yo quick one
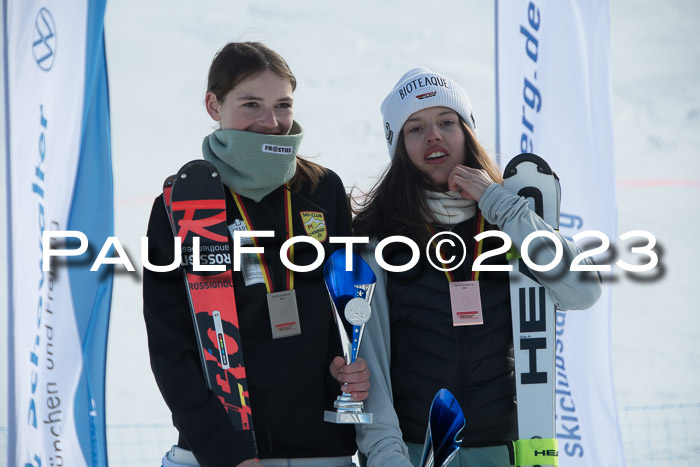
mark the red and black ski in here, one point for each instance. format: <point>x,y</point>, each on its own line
<point>196,205</point>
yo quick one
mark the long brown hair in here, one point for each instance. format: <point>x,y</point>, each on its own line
<point>238,61</point>
<point>397,205</point>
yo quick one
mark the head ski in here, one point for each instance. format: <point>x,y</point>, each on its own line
<point>533,317</point>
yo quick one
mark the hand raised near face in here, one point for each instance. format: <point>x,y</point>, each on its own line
<point>468,182</point>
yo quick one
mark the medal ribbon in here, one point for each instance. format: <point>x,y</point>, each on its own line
<point>289,233</point>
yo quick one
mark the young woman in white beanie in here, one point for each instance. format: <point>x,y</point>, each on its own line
<point>441,179</point>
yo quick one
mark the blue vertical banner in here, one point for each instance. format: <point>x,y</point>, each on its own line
<point>554,99</point>
<point>59,178</point>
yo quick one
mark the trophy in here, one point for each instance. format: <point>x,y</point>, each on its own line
<point>443,436</point>
<point>350,291</point>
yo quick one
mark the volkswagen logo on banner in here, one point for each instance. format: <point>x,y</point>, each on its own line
<point>44,39</point>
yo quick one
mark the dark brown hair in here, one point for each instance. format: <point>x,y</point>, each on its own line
<point>397,205</point>
<point>238,61</point>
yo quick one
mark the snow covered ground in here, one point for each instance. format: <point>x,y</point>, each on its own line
<point>346,57</point>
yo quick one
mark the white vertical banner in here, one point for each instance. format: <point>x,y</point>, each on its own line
<point>554,100</point>
<point>58,178</point>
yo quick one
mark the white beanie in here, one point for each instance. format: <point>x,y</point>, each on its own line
<point>420,89</point>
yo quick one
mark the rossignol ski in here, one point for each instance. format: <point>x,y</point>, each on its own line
<point>533,315</point>
<point>196,204</point>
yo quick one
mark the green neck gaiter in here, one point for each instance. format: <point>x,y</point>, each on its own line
<point>253,164</point>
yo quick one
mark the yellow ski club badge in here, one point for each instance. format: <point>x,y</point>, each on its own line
<point>314,224</point>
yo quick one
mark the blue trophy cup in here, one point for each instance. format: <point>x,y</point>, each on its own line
<point>350,291</point>
<point>445,424</point>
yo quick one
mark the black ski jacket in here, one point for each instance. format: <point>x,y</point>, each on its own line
<point>410,336</point>
<point>288,378</point>
<point>428,353</point>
